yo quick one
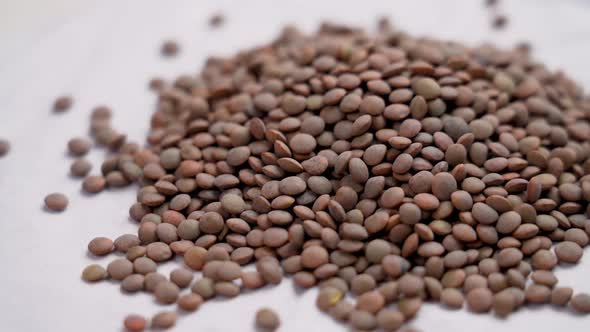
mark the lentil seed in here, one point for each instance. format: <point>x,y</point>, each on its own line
<point>56,202</point>
<point>134,323</point>
<point>267,319</point>
<point>164,320</point>
<point>93,273</point>
<point>581,303</point>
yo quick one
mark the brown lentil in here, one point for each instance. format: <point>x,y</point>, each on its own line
<point>133,283</point>
<point>80,168</point>
<point>62,104</point>
<point>181,277</point>
<point>452,298</point>
<point>166,292</point>
<point>204,287</point>
<point>93,273</point>
<point>560,296</point>
<point>135,323</point>
<point>101,246</point>
<point>94,184</point>
<point>164,320</point>
<point>362,320</point>
<point>120,268</point>
<point>568,252</point>
<point>267,319</point>
<point>480,300</point>
<point>79,146</point>
<point>581,303</point>
<point>169,48</point>
<point>4,147</point>
<point>56,202</point>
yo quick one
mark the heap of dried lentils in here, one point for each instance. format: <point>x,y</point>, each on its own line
<point>395,169</point>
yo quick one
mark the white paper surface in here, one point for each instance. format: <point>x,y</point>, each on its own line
<point>104,52</point>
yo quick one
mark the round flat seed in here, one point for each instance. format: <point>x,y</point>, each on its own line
<point>328,297</point>
<point>363,320</point>
<point>372,302</point>
<point>372,105</point>
<point>561,296</point>
<point>166,292</point>
<point>101,246</point>
<point>314,256</point>
<point>135,323</point>
<point>94,184</point>
<point>4,147</point>
<point>133,283</point>
<point>390,320</point>
<point>427,88</point>
<point>581,303</point>
<point>443,185</point>
<point>480,300</point>
<point>410,214</point>
<point>181,277</point>
<point>152,279</point>
<point>228,271</point>
<point>80,168</point>
<point>227,289</point>
<point>484,214</point>
<point>392,197</point>
<point>452,298</point>
<point>194,257</point>
<point>93,273</point>
<point>267,319</point>
<point>211,223</point>
<point>409,307</point>
<point>56,202</point>
<point>410,285</point>
<point>509,257</point>
<point>164,320</point>
<point>233,204</point>
<point>504,303</point>
<point>376,250</point>
<point>190,302</point>
<point>569,252</point>
<point>144,265</point>
<point>79,146</point>
<point>302,143</point>
<point>204,287</point>
<point>537,294</point>
<point>158,251</point>
<point>362,283</point>
<point>238,155</point>
<point>546,278</point>
<point>120,268</point>
<point>292,186</point>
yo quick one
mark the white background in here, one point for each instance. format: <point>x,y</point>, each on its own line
<point>104,52</point>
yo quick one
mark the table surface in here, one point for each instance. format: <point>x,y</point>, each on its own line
<point>104,52</point>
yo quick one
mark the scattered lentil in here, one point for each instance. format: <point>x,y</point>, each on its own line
<point>267,319</point>
<point>4,147</point>
<point>170,48</point>
<point>581,303</point>
<point>93,273</point>
<point>135,323</point>
<point>56,202</point>
<point>62,104</point>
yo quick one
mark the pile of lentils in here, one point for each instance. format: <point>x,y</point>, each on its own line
<point>384,169</point>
